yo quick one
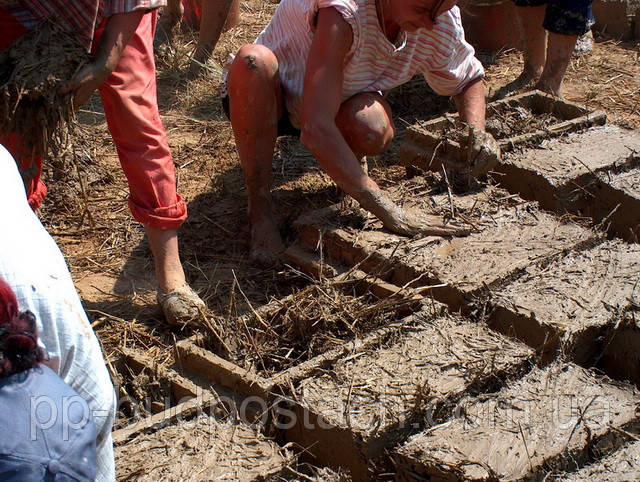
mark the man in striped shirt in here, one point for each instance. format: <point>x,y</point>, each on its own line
<point>119,33</point>
<point>320,65</point>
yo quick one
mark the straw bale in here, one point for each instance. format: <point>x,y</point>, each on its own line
<point>201,449</point>
<point>32,69</point>
<point>549,420</point>
<point>620,466</point>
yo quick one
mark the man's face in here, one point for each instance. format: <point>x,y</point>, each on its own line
<point>414,14</point>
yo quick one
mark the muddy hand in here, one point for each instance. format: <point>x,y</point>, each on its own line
<point>84,82</point>
<point>412,224</point>
<point>483,151</point>
<point>399,221</point>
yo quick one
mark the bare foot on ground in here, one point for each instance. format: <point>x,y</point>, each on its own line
<point>524,80</point>
<point>266,243</point>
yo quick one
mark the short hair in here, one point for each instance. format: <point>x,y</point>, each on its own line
<point>19,348</point>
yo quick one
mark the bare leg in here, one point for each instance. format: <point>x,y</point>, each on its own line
<point>558,56</point>
<point>164,246</point>
<point>534,49</point>
<point>214,15</point>
<point>180,304</point>
<point>255,101</point>
<point>535,41</point>
<point>365,122</point>
<point>170,17</point>
<point>233,17</point>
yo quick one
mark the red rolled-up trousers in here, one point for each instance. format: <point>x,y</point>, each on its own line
<point>129,98</point>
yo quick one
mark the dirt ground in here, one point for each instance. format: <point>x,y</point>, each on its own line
<point>87,212</point>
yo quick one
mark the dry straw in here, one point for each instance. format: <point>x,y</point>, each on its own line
<point>31,71</point>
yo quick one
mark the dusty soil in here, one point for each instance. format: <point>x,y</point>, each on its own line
<point>87,213</point>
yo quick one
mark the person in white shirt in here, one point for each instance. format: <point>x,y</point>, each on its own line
<point>33,266</point>
<point>319,67</point>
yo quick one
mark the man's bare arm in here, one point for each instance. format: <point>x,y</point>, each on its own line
<point>116,35</point>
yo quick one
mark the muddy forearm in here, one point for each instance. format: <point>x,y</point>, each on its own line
<point>380,205</point>
<point>471,103</point>
<point>117,33</point>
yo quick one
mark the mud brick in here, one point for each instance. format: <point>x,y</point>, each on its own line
<point>621,356</point>
<point>575,302</point>
<point>562,174</point>
<point>550,420</point>
<point>622,465</point>
<point>512,234</point>
<point>203,448</point>
<point>618,203</point>
<point>426,144</point>
<point>352,410</point>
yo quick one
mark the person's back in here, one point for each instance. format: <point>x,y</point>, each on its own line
<point>47,427</point>
<point>32,264</point>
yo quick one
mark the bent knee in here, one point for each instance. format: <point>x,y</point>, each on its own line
<point>254,59</point>
<point>367,127</point>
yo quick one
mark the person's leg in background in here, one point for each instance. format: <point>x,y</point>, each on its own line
<point>217,16</point>
<point>130,104</point>
<point>534,48</point>
<point>565,21</point>
<point>171,16</point>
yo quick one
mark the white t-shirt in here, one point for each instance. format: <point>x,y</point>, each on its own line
<point>32,264</point>
<point>373,63</point>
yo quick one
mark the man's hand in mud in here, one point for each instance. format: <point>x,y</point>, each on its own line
<point>414,224</point>
<point>483,151</point>
<point>85,81</point>
<point>407,223</point>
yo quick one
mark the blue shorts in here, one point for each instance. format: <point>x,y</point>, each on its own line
<point>566,17</point>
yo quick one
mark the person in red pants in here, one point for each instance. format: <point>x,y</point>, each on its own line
<point>120,36</point>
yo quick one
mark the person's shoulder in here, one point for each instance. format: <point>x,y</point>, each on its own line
<point>349,7</point>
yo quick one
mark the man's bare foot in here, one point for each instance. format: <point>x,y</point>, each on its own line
<point>182,306</point>
<point>524,80</point>
<point>549,89</point>
<point>179,303</point>
<point>198,64</point>
<point>266,243</point>
<point>399,221</point>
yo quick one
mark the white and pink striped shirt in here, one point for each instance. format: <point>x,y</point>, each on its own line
<point>373,63</point>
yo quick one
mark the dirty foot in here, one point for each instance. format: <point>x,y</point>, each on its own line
<point>549,89</point>
<point>266,244</point>
<point>182,306</point>
<point>524,80</point>
<point>198,64</point>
